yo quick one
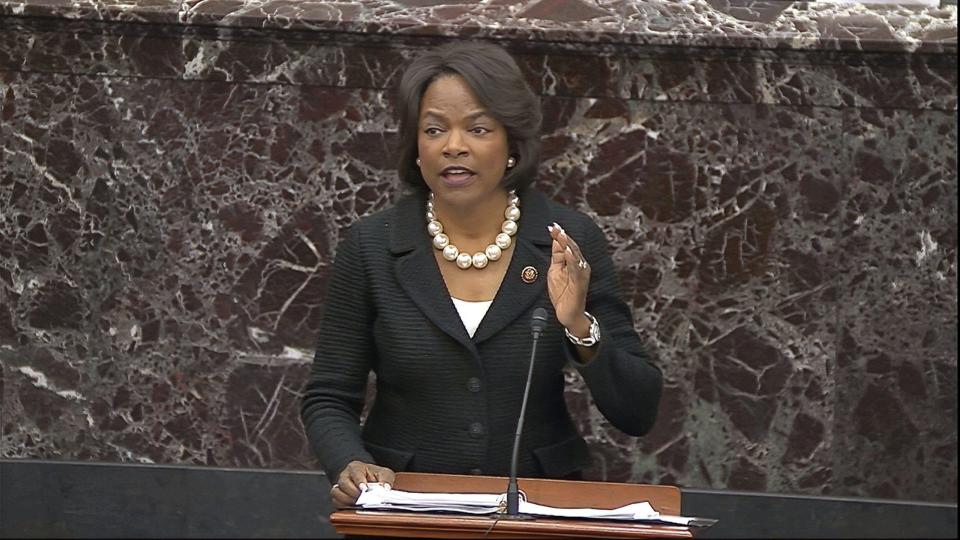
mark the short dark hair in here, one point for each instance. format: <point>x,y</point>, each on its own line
<point>495,78</point>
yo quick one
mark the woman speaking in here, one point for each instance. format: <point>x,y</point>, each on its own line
<point>436,293</point>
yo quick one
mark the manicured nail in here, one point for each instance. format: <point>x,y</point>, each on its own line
<point>388,486</point>
<point>363,487</point>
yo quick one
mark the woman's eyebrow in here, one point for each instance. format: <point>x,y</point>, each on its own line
<point>434,114</point>
<point>477,114</point>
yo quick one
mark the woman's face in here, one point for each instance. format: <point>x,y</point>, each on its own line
<point>463,150</point>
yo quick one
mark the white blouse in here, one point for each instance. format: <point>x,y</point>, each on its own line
<point>471,313</point>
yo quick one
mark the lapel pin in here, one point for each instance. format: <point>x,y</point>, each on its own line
<point>529,274</point>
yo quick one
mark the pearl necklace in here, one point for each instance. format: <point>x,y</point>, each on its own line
<point>479,259</point>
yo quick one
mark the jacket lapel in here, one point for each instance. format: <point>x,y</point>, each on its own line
<point>417,272</point>
<point>532,245</point>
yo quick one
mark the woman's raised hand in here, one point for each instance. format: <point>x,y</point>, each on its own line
<point>567,282</point>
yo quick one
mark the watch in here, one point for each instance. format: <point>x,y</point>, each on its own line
<point>590,340</point>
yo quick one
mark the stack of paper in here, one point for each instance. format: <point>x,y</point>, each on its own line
<point>378,496</point>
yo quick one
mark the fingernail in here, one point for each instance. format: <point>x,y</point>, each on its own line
<point>569,250</point>
<point>550,228</point>
<point>363,486</point>
<point>388,486</point>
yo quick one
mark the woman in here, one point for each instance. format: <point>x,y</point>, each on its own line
<point>435,295</point>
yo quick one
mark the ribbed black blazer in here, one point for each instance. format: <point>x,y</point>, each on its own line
<point>447,403</point>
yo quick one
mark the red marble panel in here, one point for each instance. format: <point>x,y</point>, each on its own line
<point>896,373</point>
<point>783,222</point>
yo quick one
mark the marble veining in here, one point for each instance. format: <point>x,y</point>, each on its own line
<point>781,211</point>
<point>698,23</point>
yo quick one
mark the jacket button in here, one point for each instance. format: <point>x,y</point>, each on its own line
<point>476,430</point>
<point>473,384</point>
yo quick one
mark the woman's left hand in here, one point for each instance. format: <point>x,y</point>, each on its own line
<point>567,282</point>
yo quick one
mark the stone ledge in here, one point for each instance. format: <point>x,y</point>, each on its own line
<point>692,23</point>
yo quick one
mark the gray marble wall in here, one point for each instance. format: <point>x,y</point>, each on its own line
<point>173,185</point>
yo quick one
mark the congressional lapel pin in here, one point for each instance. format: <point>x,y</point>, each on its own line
<point>529,274</point>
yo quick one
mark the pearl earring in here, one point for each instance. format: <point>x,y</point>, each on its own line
<point>511,162</point>
<point>418,162</point>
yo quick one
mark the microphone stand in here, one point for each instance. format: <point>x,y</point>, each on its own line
<point>538,323</point>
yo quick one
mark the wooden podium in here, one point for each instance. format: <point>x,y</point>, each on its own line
<point>560,493</point>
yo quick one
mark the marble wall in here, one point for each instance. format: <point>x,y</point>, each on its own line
<point>172,189</point>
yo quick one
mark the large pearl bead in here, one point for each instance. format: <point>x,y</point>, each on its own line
<point>503,240</point>
<point>512,213</point>
<point>450,252</point>
<point>493,252</point>
<point>479,260</point>
<point>464,261</point>
<point>440,241</point>
<point>509,227</point>
<point>434,228</point>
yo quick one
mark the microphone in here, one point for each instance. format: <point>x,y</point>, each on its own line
<point>537,324</point>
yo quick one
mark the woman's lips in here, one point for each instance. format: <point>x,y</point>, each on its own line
<point>457,179</point>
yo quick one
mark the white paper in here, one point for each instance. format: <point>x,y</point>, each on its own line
<point>380,497</point>
<point>677,520</point>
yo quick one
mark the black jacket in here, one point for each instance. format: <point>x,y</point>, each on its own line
<point>447,403</point>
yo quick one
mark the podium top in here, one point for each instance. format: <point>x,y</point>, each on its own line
<point>559,493</point>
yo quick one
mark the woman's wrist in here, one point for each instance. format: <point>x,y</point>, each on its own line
<point>580,326</point>
<point>592,336</point>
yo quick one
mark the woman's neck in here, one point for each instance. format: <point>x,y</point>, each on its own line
<point>473,226</point>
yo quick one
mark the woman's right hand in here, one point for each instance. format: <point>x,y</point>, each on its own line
<point>345,492</point>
